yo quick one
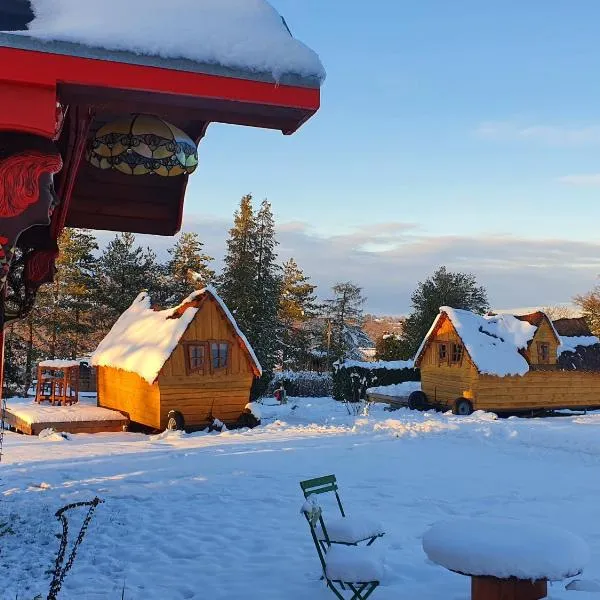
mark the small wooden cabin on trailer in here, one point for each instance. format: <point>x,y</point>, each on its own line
<point>177,368</point>
<point>503,363</point>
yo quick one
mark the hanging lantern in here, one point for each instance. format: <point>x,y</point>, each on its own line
<point>143,145</point>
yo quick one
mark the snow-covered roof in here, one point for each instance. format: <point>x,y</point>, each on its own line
<point>59,363</point>
<point>143,339</point>
<point>249,35</point>
<point>570,343</point>
<point>492,341</point>
<point>376,364</point>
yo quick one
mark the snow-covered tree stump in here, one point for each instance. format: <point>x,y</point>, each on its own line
<point>505,558</point>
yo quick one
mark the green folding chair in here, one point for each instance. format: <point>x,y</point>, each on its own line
<point>348,531</point>
<point>346,569</point>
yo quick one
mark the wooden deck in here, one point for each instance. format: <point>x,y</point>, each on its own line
<point>25,416</point>
<point>393,401</point>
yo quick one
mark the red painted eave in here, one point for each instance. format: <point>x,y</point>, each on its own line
<point>284,107</point>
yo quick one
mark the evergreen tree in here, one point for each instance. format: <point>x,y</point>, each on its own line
<point>74,289</point>
<point>297,306</point>
<point>443,288</point>
<point>250,283</point>
<point>343,318</point>
<point>266,330</point>
<point>236,282</point>
<point>187,257</point>
<point>390,346</point>
<point>124,270</point>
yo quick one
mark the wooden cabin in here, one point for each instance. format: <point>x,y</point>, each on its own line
<point>503,363</point>
<point>178,368</point>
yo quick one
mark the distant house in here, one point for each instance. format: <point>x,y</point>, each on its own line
<point>504,362</point>
<point>175,368</point>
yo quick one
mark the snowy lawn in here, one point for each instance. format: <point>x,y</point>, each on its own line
<point>216,516</point>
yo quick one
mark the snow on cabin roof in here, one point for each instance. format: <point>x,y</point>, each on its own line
<point>492,341</point>
<point>59,363</point>
<point>571,343</point>
<point>143,339</point>
<point>249,35</point>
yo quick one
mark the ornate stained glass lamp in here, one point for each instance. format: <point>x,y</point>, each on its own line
<point>143,145</point>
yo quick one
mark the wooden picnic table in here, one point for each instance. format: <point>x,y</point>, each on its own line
<point>507,559</point>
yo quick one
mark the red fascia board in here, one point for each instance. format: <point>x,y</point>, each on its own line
<point>47,70</point>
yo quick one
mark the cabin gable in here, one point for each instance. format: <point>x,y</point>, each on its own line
<point>208,325</point>
<point>447,371</point>
<point>444,347</point>
<point>201,396</point>
<point>542,350</point>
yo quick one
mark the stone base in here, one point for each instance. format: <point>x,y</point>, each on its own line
<point>492,588</point>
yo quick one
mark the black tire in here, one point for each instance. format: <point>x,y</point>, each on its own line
<point>247,419</point>
<point>417,401</point>
<point>462,407</point>
<point>175,421</point>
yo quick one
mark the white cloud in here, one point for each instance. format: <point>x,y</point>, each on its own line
<point>589,179</point>
<point>388,260</point>
<point>553,135</point>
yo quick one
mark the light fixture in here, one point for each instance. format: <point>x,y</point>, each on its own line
<point>143,145</point>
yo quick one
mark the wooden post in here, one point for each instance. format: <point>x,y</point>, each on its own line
<point>39,386</point>
<point>492,588</point>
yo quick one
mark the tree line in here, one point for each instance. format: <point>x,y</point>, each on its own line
<point>275,304</point>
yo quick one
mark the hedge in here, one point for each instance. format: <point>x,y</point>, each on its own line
<point>302,384</point>
<point>352,378</point>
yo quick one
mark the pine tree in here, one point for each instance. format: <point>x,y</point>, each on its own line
<point>343,317</point>
<point>124,270</point>
<point>296,307</point>
<point>187,257</point>
<point>267,328</point>
<point>74,285</point>
<point>236,283</point>
<point>250,283</point>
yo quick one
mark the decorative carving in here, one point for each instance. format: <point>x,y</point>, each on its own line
<point>27,198</point>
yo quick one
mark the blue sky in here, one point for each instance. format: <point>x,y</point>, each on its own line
<point>462,133</point>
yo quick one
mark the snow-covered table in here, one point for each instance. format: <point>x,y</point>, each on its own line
<point>506,559</point>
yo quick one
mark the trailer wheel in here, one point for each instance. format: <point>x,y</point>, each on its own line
<point>417,401</point>
<point>175,421</point>
<point>462,407</point>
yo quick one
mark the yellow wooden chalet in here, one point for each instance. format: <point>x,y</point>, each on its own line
<point>183,367</point>
<point>501,363</point>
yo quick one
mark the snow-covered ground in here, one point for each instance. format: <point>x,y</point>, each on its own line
<point>216,516</point>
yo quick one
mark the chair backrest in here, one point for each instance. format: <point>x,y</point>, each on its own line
<point>322,485</point>
<point>313,515</point>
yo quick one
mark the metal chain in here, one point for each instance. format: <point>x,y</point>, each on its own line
<point>60,571</point>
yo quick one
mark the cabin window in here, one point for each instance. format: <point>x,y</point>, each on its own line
<point>442,353</point>
<point>219,352</point>
<point>457,353</point>
<point>196,357</point>
<point>543,352</point>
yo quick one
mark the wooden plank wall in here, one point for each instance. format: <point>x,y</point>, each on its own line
<point>129,393</point>
<point>445,383</point>
<point>539,389</point>
<point>198,397</point>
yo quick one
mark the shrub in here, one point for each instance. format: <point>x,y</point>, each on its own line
<point>352,378</point>
<point>303,384</point>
